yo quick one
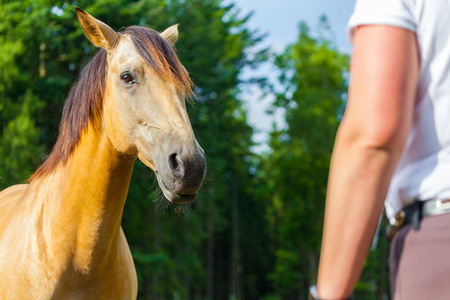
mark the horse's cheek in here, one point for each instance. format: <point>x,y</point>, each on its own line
<point>119,133</point>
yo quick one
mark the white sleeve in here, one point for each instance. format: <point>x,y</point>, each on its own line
<point>398,13</point>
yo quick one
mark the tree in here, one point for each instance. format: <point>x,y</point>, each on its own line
<point>313,75</point>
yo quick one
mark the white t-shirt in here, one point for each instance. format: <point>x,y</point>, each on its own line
<point>423,171</point>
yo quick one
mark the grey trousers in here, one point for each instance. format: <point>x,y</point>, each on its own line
<point>420,260</point>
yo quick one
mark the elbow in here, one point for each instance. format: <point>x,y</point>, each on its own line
<point>390,140</point>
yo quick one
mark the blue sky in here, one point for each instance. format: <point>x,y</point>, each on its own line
<point>280,20</point>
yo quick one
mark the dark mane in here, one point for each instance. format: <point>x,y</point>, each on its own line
<point>85,100</point>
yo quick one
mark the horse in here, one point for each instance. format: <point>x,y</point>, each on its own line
<point>61,234</point>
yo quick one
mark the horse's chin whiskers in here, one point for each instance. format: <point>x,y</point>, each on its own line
<point>163,206</point>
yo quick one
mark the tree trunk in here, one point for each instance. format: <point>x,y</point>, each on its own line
<point>234,272</point>
<point>210,255</point>
<point>156,247</point>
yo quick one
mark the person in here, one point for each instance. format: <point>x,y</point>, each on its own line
<point>393,148</point>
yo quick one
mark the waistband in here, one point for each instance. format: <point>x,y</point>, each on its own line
<point>413,213</point>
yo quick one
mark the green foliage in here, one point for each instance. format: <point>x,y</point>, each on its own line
<point>296,169</point>
<point>19,144</point>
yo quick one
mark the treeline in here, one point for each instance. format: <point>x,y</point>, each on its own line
<point>254,232</point>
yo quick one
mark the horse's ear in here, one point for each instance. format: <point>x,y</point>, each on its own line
<point>100,34</point>
<point>171,33</point>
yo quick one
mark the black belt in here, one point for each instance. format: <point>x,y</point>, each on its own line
<point>415,212</point>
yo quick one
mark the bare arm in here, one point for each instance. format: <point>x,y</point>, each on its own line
<point>371,137</point>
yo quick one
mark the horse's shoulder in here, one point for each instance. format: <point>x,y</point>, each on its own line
<point>12,192</point>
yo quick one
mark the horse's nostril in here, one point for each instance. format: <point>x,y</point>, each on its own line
<point>175,165</point>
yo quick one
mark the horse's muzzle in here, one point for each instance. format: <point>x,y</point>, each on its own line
<point>181,176</point>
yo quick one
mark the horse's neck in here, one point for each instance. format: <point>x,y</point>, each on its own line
<point>89,195</point>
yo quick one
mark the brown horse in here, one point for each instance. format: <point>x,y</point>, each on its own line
<point>60,235</point>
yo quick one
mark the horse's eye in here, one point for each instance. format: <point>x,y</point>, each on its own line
<point>127,77</point>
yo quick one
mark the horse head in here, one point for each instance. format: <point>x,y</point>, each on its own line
<point>144,104</point>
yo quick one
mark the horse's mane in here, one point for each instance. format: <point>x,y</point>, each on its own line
<point>85,101</point>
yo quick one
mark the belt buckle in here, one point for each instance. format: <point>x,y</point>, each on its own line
<point>399,219</point>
